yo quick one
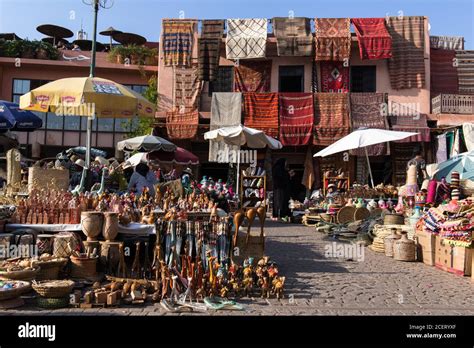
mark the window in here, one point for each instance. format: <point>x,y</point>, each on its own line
<point>72,122</point>
<point>21,87</point>
<point>84,124</point>
<point>140,89</point>
<point>106,124</point>
<point>363,79</point>
<point>291,78</point>
<point>122,125</point>
<point>224,81</point>
<point>54,122</point>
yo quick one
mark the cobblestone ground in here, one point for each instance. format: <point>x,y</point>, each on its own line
<point>317,285</point>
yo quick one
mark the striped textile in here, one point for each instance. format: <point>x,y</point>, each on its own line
<point>314,77</point>
<point>261,112</point>
<point>253,76</point>
<point>444,75</point>
<point>178,37</point>
<point>465,62</point>
<point>226,110</point>
<point>296,118</point>
<point>246,38</point>
<point>374,40</point>
<point>333,38</point>
<point>411,124</point>
<point>366,112</point>
<point>187,88</point>
<point>331,117</point>
<point>334,77</point>
<point>182,125</point>
<point>212,28</point>
<point>293,36</point>
<point>447,42</point>
<point>407,65</point>
<point>209,48</point>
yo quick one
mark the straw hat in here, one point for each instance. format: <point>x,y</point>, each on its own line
<point>80,163</point>
<point>101,160</point>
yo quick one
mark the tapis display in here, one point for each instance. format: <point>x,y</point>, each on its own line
<point>296,118</point>
<point>374,40</point>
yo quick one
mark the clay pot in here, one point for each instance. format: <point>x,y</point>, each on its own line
<point>111,223</point>
<point>92,223</point>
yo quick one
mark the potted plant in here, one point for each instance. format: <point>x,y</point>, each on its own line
<point>28,49</point>
<point>45,50</point>
<point>135,54</point>
<point>151,56</point>
<point>2,48</point>
<point>117,54</point>
<point>12,48</point>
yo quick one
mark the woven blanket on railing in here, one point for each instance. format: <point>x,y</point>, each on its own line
<point>374,40</point>
<point>296,118</point>
<point>333,38</point>
<point>447,42</point>
<point>331,117</point>
<point>261,112</point>
<point>465,62</point>
<point>182,125</point>
<point>226,110</point>
<point>407,65</point>
<point>444,75</point>
<point>246,38</point>
<point>209,48</point>
<point>334,77</point>
<point>253,76</point>
<point>412,123</point>
<point>178,37</point>
<point>187,88</point>
<point>293,36</point>
<point>366,112</point>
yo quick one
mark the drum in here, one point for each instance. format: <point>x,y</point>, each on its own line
<point>91,224</point>
<point>44,243</point>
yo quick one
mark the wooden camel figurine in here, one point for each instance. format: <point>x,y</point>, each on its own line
<point>250,214</point>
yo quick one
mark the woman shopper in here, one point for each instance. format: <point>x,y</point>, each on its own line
<point>281,192</point>
<point>142,177</point>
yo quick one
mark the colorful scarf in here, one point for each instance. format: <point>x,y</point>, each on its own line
<point>447,42</point>
<point>261,112</point>
<point>187,88</point>
<point>333,38</point>
<point>444,75</point>
<point>374,40</point>
<point>182,125</point>
<point>178,37</point>
<point>253,76</point>
<point>293,36</point>
<point>407,65</point>
<point>331,117</point>
<point>412,123</point>
<point>209,48</point>
<point>334,77</point>
<point>226,110</point>
<point>246,38</point>
<point>366,112</point>
<point>296,118</point>
<point>465,60</point>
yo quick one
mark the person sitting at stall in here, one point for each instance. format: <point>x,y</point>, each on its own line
<point>332,191</point>
<point>142,177</point>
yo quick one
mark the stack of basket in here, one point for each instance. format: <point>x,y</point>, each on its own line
<point>53,294</point>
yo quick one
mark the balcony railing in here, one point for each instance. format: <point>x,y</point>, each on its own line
<point>453,104</point>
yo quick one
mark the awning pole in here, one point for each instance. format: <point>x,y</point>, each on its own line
<point>368,165</point>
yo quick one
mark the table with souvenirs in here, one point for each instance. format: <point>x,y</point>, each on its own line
<point>94,249</point>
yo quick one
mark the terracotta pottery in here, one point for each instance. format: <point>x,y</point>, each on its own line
<point>91,224</point>
<point>111,223</point>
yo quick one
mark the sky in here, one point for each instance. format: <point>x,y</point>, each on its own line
<point>447,17</point>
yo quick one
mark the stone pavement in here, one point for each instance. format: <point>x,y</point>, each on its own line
<point>316,285</point>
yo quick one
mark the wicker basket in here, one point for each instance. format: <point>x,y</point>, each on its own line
<point>325,217</point>
<point>15,292</point>
<point>346,214</point>
<point>393,219</point>
<point>404,249</point>
<point>28,274</point>
<point>45,177</point>
<point>54,289</point>
<point>389,241</point>
<point>83,268</point>
<point>52,303</point>
<point>377,212</point>
<point>50,269</point>
<point>361,214</point>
